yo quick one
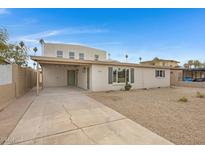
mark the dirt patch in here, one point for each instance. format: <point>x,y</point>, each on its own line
<point>160,111</point>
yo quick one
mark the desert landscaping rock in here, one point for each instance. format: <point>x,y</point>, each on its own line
<point>159,111</point>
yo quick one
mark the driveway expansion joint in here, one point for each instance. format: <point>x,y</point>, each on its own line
<point>70,117</point>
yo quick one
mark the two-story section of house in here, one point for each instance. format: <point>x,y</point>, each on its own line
<point>88,68</point>
<point>72,51</point>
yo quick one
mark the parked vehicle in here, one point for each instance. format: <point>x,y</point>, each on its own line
<point>199,80</point>
<point>188,79</point>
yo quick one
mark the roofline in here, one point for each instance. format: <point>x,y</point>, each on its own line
<point>160,60</point>
<point>67,61</point>
<point>100,50</point>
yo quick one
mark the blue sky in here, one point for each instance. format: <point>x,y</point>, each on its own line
<point>165,33</point>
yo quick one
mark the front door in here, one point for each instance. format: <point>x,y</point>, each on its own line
<point>71,78</point>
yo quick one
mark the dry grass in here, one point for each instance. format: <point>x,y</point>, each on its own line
<point>160,111</point>
<point>199,95</point>
<point>183,99</point>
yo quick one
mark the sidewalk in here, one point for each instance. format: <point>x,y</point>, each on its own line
<point>10,115</point>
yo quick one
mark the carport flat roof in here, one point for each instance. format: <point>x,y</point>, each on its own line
<point>67,61</point>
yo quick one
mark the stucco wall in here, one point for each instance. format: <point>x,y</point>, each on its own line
<point>143,78</point>
<point>176,76</point>
<point>5,74</point>
<point>56,75</point>
<point>22,80</point>
<point>50,50</point>
<point>7,92</point>
<point>82,77</point>
<point>191,84</point>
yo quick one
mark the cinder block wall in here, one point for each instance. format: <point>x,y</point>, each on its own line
<point>23,79</point>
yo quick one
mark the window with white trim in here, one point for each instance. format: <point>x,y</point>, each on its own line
<point>81,56</point>
<point>60,54</point>
<point>72,55</point>
<point>160,73</point>
<point>118,75</point>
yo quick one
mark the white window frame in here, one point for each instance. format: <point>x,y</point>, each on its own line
<point>71,57</point>
<point>59,55</point>
<point>160,73</point>
<point>81,57</point>
<point>116,69</point>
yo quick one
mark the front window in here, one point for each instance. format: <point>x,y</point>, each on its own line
<point>121,75</point>
<point>160,73</point>
<point>71,55</point>
<point>114,79</point>
<point>96,57</point>
<point>60,54</point>
<point>81,56</point>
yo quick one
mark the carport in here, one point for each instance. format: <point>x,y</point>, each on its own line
<point>62,72</point>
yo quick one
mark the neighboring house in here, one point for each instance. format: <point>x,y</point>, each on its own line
<point>194,73</point>
<point>88,68</point>
<point>161,62</point>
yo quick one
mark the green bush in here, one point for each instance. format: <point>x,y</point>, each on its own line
<point>183,99</point>
<point>199,95</point>
<point>128,87</point>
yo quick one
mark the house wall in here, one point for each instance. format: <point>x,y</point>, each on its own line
<point>50,50</point>
<point>82,77</point>
<point>162,63</point>
<point>176,76</point>
<point>56,75</point>
<point>143,78</point>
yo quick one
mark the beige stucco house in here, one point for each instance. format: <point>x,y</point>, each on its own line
<point>88,68</point>
<point>161,62</point>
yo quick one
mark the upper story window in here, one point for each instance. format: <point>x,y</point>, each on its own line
<point>81,56</point>
<point>160,73</point>
<point>97,57</point>
<point>72,55</point>
<point>60,54</point>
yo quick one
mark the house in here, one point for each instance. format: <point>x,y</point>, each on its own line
<point>89,68</point>
<point>193,73</point>
<point>161,62</point>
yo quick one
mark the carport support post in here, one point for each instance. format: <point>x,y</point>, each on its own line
<point>37,82</point>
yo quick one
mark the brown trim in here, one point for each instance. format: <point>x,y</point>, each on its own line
<point>66,61</point>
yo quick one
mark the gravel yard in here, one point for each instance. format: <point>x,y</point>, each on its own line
<point>160,111</point>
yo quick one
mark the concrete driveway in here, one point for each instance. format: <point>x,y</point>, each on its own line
<point>67,116</point>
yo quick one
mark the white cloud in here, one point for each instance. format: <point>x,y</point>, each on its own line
<point>66,31</point>
<point>4,11</point>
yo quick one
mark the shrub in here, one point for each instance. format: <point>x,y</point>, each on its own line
<point>183,99</point>
<point>199,95</point>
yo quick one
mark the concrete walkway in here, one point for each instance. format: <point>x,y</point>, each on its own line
<point>67,116</point>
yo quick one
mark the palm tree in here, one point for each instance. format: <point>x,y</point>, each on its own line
<point>21,44</point>
<point>41,41</point>
<point>190,63</point>
<point>140,58</point>
<point>109,56</point>
<point>35,49</point>
<point>34,64</point>
<point>196,63</point>
<point>186,65</point>
<point>126,56</point>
